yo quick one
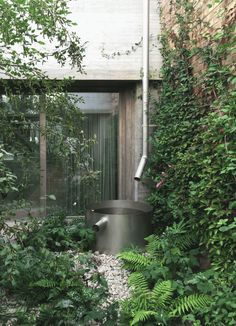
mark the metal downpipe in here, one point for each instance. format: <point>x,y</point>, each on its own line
<point>145,84</point>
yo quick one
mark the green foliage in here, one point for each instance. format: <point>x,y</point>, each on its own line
<point>222,288</point>
<point>142,316</point>
<point>162,293</point>
<point>168,255</point>
<point>194,144</point>
<point>26,26</point>
<point>47,286</point>
<point>193,160</point>
<point>7,178</point>
<point>134,261</point>
<point>138,281</point>
<point>165,284</point>
<point>55,233</point>
<point>157,304</point>
<point>190,303</point>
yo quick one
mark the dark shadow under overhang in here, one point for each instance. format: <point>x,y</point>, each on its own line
<point>37,86</point>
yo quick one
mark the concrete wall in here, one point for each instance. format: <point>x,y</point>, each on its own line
<point>113,32</point>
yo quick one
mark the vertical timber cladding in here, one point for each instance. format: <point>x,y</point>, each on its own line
<point>126,144</point>
<point>130,142</point>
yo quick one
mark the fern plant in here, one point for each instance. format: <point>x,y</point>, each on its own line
<point>166,255</point>
<point>135,261</point>
<point>160,291</point>
<point>157,305</point>
<point>47,282</point>
<point>189,303</point>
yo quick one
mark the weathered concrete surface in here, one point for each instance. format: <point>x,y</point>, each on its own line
<point>110,27</point>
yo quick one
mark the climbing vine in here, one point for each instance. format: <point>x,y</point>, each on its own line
<point>193,163</point>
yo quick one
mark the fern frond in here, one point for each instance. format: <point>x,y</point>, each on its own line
<point>125,306</point>
<point>142,316</point>
<point>44,283</point>
<point>140,290</point>
<point>177,228</point>
<point>72,283</point>
<point>154,244</point>
<point>183,241</point>
<point>179,236</point>
<point>134,261</point>
<point>138,282</point>
<point>190,303</point>
<point>161,294</point>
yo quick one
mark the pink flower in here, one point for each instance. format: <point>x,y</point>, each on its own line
<point>160,184</point>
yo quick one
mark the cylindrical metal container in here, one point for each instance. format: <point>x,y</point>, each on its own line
<point>119,224</point>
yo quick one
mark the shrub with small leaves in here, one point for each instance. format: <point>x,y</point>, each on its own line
<point>193,160</point>
<point>46,284</point>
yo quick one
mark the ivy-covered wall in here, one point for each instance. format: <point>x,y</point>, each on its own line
<point>208,18</point>
<point>193,161</point>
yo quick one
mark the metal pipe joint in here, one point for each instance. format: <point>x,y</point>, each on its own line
<point>101,224</point>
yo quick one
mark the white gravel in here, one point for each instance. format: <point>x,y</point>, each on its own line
<point>111,268</point>
<point>116,277</point>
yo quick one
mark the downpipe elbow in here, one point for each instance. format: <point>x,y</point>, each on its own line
<point>140,168</point>
<point>101,224</point>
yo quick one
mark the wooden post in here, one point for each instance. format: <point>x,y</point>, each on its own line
<point>43,164</point>
<point>126,145</point>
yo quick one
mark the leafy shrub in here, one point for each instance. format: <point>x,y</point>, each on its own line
<point>56,233</point>
<point>47,286</point>
<point>193,156</point>
<point>193,148</point>
<point>223,293</point>
<point>7,178</point>
<point>168,255</point>
<point>157,304</point>
<point>162,288</point>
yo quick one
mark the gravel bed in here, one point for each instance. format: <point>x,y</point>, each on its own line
<point>106,265</point>
<point>117,278</point>
<point>111,268</point>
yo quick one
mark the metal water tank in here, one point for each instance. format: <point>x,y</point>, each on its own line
<point>119,224</point>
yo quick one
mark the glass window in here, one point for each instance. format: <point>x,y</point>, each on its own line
<point>100,123</point>
<point>66,185</point>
